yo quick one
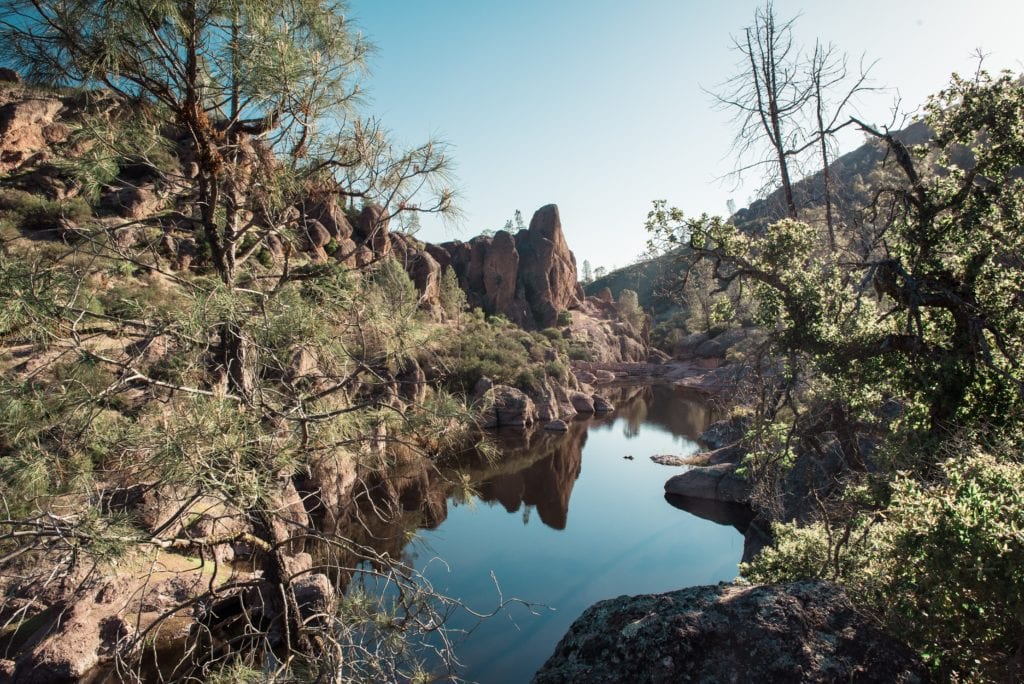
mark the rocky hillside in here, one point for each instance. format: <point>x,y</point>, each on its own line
<point>655,280</point>
<point>529,278</point>
<point>337,363</point>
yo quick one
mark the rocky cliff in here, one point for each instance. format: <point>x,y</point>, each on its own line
<point>529,278</point>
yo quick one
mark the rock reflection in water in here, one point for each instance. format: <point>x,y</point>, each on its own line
<point>534,472</point>
<point>721,512</point>
<point>546,482</point>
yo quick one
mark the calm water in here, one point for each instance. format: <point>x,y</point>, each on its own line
<point>566,521</point>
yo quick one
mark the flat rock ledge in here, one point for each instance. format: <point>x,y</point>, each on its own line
<point>799,632</point>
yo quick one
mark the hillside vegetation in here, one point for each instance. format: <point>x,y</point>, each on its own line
<point>884,418</point>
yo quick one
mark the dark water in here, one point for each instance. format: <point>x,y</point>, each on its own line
<point>566,521</point>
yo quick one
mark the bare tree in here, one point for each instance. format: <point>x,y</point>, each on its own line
<point>767,95</point>
<point>787,105</point>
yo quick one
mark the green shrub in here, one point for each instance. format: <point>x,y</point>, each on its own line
<point>564,317</point>
<point>943,567</point>
<point>629,308</point>
<point>452,297</point>
<point>557,370</point>
<point>32,213</point>
<point>579,351</point>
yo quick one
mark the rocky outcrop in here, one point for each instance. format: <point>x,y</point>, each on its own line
<point>372,229</point>
<point>800,632</point>
<point>529,278</point>
<point>507,407</point>
<point>719,482</point>
<point>547,268</point>
<point>608,337</point>
<point>27,128</point>
<point>422,268</point>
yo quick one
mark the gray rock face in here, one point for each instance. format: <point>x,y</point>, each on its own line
<point>719,482</point>
<point>800,632</point>
<point>724,433</point>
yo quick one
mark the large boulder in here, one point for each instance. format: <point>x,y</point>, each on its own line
<point>79,637</point>
<point>27,128</point>
<point>507,407</point>
<point>372,230</point>
<point>719,345</point>
<point>800,632</point>
<point>329,214</point>
<point>130,202</point>
<point>718,482</point>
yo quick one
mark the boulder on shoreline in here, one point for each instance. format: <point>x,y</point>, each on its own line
<point>719,482</point>
<point>799,632</point>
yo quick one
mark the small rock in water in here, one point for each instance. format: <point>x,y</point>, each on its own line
<point>628,458</point>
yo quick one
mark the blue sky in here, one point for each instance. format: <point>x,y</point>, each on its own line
<point>598,105</point>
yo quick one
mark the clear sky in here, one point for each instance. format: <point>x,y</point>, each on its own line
<point>597,105</point>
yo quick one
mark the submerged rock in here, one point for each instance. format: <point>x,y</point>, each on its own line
<point>799,632</point>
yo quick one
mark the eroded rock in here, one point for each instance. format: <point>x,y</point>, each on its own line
<point>507,407</point>
<point>799,632</point>
<point>24,130</point>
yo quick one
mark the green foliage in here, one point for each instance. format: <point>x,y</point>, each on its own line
<point>452,297</point>
<point>557,370</point>
<point>33,213</point>
<point>942,566</point>
<point>502,352</point>
<point>396,289</point>
<point>564,317</point>
<point>629,309</point>
<point>919,307</point>
<point>33,292</point>
<point>579,351</point>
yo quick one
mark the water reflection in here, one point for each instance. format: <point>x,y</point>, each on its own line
<point>562,520</point>
<point>535,471</point>
<point>721,512</point>
<point>545,484</point>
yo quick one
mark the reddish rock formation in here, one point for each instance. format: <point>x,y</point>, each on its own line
<point>331,216</point>
<point>27,129</point>
<point>421,267</point>
<point>372,229</point>
<point>528,278</point>
<point>547,267</point>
